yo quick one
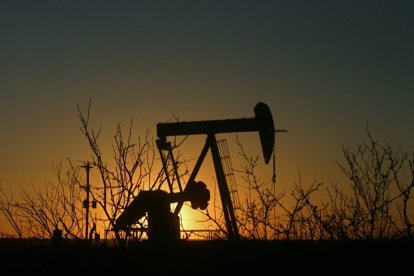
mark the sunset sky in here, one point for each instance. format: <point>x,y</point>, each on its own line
<point>326,69</point>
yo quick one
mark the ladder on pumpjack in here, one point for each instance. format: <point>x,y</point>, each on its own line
<point>228,172</point>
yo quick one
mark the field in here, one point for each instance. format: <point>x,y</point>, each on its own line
<point>210,258</point>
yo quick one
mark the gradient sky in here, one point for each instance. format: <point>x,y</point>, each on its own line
<point>327,69</point>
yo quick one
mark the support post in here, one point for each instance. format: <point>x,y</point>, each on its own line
<point>87,167</point>
<point>232,229</point>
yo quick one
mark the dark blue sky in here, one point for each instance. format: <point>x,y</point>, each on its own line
<point>327,69</point>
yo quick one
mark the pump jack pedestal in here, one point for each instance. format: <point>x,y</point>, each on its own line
<point>163,225</point>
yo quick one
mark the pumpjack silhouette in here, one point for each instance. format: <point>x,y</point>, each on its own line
<point>163,224</point>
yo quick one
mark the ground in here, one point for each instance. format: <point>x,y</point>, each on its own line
<point>211,258</point>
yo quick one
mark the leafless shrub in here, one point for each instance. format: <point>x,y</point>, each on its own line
<point>376,205</point>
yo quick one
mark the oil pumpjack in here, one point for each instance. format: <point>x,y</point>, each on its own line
<point>163,224</point>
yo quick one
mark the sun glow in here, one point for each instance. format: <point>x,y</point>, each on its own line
<point>189,218</point>
<point>194,224</point>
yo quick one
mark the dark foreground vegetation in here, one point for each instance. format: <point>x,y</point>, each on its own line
<point>364,257</point>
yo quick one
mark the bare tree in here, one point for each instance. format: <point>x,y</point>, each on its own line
<point>10,212</point>
<point>379,196</point>
<point>376,203</point>
<point>60,204</point>
<point>376,206</point>
<point>255,214</point>
<point>42,210</point>
<point>133,163</point>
